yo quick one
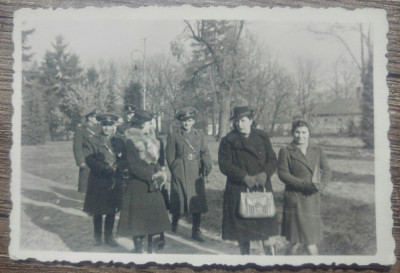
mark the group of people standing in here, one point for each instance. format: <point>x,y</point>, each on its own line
<point>126,166</point>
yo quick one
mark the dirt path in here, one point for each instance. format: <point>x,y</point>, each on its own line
<point>52,219</point>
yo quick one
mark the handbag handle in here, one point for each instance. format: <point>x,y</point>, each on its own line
<point>262,187</point>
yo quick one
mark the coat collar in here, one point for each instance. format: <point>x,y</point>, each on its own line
<point>296,153</point>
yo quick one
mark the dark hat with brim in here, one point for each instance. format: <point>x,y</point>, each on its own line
<point>242,111</point>
<point>142,116</point>
<point>89,112</point>
<point>129,108</point>
<point>107,119</point>
<point>186,113</point>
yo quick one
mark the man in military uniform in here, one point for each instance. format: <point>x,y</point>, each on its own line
<point>129,110</point>
<point>83,133</point>
<point>104,192</point>
<point>189,161</point>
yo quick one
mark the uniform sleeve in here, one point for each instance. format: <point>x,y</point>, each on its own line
<point>137,167</point>
<point>284,172</point>
<point>234,173</point>
<point>161,159</point>
<point>170,150</point>
<point>326,173</point>
<point>271,160</point>
<point>205,154</point>
<point>96,161</point>
<point>77,146</point>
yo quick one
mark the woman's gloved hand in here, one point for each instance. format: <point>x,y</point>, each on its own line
<point>261,179</point>
<point>250,181</point>
<point>307,187</point>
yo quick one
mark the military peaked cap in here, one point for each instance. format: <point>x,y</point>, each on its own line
<point>186,113</point>
<point>90,111</point>
<point>107,119</point>
<point>129,108</point>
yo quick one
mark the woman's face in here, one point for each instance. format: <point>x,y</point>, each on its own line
<point>301,135</point>
<point>187,124</point>
<point>146,127</point>
<point>243,125</point>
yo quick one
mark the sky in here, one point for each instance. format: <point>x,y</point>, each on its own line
<point>120,37</point>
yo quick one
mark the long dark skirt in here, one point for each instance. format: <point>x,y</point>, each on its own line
<point>143,212</point>
<point>237,228</point>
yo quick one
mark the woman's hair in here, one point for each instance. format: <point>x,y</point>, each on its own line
<point>300,123</point>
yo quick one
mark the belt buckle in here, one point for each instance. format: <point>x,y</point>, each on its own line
<point>190,156</point>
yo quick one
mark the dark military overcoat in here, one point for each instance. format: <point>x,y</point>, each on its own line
<point>237,157</point>
<point>301,221</point>
<point>104,191</point>
<point>187,156</point>
<point>80,145</point>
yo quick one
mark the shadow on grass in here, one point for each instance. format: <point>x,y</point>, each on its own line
<point>353,177</point>
<point>349,225</point>
<point>62,200</point>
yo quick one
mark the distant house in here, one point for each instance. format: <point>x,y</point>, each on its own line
<point>339,116</point>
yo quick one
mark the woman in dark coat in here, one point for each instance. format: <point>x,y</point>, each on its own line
<point>189,160</point>
<point>246,157</point>
<point>143,209</point>
<point>302,166</point>
<point>103,193</point>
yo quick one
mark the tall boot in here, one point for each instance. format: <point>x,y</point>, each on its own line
<point>175,219</point>
<point>244,248</point>
<point>138,243</point>
<point>97,225</point>
<point>150,244</point>
<point>196,228</point>
<point>108,228</point>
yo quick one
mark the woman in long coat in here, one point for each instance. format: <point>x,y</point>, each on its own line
<point>246,157</point>
<point>103,193</point>
<point>143,209</point>
<point>302,166</point>
<point>189,161</point>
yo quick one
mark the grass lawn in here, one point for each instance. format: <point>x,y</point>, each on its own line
<point>348,206</point>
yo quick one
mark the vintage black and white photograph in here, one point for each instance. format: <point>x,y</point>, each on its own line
<point>201,136</point>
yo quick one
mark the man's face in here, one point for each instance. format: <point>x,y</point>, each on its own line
<point>92,119</point>
<point>130,115</point>
<point>243,125</point>
<point>187,124</point>
<point>108,129</point>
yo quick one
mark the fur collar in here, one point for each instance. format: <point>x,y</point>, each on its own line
<point>146,143</point>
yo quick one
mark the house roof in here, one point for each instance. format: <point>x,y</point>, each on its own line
<point>339,106</point>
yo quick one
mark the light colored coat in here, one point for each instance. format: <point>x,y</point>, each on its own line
<point>301,221</point>
<point>186,162</point>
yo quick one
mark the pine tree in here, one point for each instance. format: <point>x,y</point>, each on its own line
<point>60,70</point>
<point>33,127</point>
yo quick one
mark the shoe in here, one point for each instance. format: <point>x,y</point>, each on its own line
<point>269,250</point>
<point>138,243</point>
<point>159,244</point>
<point>197,237</point>
<point>109,239</point>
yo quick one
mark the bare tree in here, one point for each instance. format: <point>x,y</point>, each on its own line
<point>305,85</point>
<point>365,67</point>
<point>216,44</point>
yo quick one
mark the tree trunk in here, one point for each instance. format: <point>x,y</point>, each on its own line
<point>224,114</point>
